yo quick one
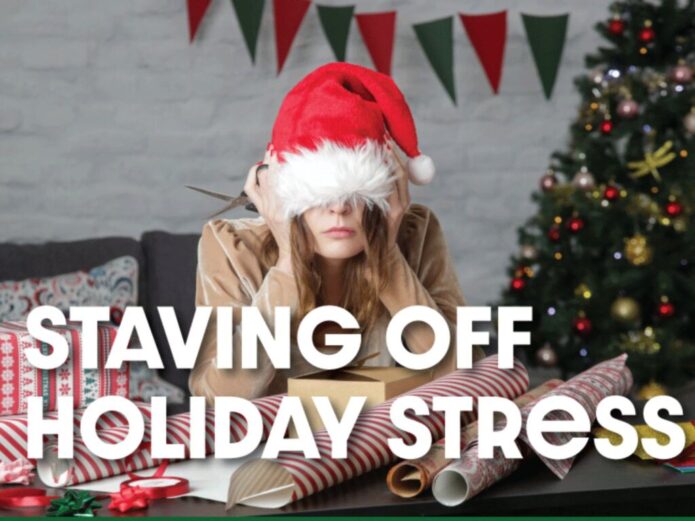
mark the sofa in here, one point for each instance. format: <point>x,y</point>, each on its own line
<point>167,264</point>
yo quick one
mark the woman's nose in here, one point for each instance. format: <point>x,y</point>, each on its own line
<point>340,207</point>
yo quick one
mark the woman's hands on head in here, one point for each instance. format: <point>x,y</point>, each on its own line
<point>399,199</point>
<point>259,190</point>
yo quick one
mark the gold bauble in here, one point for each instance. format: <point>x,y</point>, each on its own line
<point>642,342</point>
<point>650,390</point>
<point>583,291</point>
<point>637,250</point>
<point>625,309</point>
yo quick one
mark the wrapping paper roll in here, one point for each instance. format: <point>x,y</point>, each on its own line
<point>470,475</point>
<point>85,466</point>
<point>14,434</point>
<point>20,380</point>
<point>410,478</point>
<point>611,377</point>
<point>275,483</point>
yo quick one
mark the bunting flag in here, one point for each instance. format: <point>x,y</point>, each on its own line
<point>488,35</point>
<point>196,13</point>
<point>288,16</point>
<point>378,31</point>
<point>546,36</point>
<point>249,14</point>
<point>336,26</point>
<point>437,40</point>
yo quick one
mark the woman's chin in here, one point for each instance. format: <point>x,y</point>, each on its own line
<point>340,249</point>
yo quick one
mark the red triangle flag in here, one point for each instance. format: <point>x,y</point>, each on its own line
<point>288,16</point>
<point>378,30</point>
<point>488,34</point>
<point>196,13</point>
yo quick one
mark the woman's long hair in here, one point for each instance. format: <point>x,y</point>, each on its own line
<point>361,293</point>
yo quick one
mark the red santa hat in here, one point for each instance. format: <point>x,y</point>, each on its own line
<point>331,138</point>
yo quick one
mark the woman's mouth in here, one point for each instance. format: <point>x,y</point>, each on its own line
<point>340,232</point>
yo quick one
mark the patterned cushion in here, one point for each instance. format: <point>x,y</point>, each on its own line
<point>113,284</point>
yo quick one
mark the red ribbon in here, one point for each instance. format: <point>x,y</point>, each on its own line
<point>25,497</point>
<point>180,485</point>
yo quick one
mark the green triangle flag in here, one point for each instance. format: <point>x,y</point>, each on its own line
<point>249,14</point>
<point>546,36</point>
<point>336,25</point>
<point>437,40</point>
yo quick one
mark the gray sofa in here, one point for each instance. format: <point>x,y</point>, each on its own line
<point>166,278</point>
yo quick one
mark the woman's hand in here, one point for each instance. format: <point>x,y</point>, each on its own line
<point>259,190</point>
<point>399,199</point>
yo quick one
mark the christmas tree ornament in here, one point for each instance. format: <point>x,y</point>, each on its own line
<point>584,180</point>
<point>616,26</point>
<point>596,75</point>
<point>666,309</point>
<point>529,252</point>
<point>689,121</point>
<point>627,109</point>
<point>680,224</point>
<point>575,224</point>
<point>548,181</point>
<point>611,193</point>
<point>681,74</point>
<point>554,233</point>
<point>674,208</point>
<point>638,251</point>
<point>647,33</point>
<point>583,291</point>
<point>652,161</point>
<point>625,310</point>
<point>650,390</point>
<point>606,126</point>
<point>517,284</point>
<point>581,325</point>
<point>546,356</point>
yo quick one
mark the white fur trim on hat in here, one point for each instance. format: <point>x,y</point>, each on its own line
<point>335,173</point>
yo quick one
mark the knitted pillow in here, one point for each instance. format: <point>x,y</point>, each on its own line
<point>114,284</point>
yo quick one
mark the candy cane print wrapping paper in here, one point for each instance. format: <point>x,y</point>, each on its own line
<point>274,483</point>
<point>85,466</point>
<point>14,429</point>
<point>468,476</point>
<point>588,388</point>
<point>410,478</point>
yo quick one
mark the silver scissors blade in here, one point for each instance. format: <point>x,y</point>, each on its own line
<point>217,195</point>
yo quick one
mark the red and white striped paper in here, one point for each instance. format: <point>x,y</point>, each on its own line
<point>14,429</point>
<point>85,466</point>
<point>20,380</point>
<point>611,377</point>
<point>275,483</point>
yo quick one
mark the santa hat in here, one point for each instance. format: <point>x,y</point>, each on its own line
<point>331,139</point>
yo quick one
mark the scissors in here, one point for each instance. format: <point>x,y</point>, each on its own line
<point>232,201</point>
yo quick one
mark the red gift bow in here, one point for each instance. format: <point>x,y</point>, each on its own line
<point>129,498</point>
<point>25,497</point>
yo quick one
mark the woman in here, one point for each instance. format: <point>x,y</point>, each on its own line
<point>336,227</point>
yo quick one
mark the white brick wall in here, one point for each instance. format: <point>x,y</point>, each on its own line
<point>106,112</point>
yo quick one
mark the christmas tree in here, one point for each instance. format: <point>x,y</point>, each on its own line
<point>608,260</point>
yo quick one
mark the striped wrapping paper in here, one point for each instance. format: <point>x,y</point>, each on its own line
<point>275,483</point>
<point>84,466</point>
<point>19,379</point>
<point>611,377</point>
<point>14,435</point>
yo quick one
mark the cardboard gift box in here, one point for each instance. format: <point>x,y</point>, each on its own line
<point>378,384</point>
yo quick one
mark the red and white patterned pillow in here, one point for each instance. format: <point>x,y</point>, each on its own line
<point>113,284</point>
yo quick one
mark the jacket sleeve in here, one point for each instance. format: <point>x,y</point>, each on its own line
<point>435,285</point>
<point>218,284</point>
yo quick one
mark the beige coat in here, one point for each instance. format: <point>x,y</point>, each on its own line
<point>230,273</point>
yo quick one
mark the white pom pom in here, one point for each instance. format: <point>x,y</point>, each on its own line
<point>421,169</point>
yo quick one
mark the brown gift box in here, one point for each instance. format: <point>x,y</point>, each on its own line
<point>378,384</point>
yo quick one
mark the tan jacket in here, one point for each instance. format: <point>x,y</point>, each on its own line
<point>230,273</point>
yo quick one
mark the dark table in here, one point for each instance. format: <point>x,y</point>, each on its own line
<point>594,485</point>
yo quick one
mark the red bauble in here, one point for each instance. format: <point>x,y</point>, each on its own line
<point>611,193</point>
<point>666,309</point>
<point>647,34</point>
<point>518,284</point>
<point>554,234</point>
<point>606,126</point>
<point>581,325</point>
<point>674,208</point>
<point>616,27</point>
<point>575,224</point>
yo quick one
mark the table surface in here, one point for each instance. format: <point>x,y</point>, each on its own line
<point>594,485</point>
